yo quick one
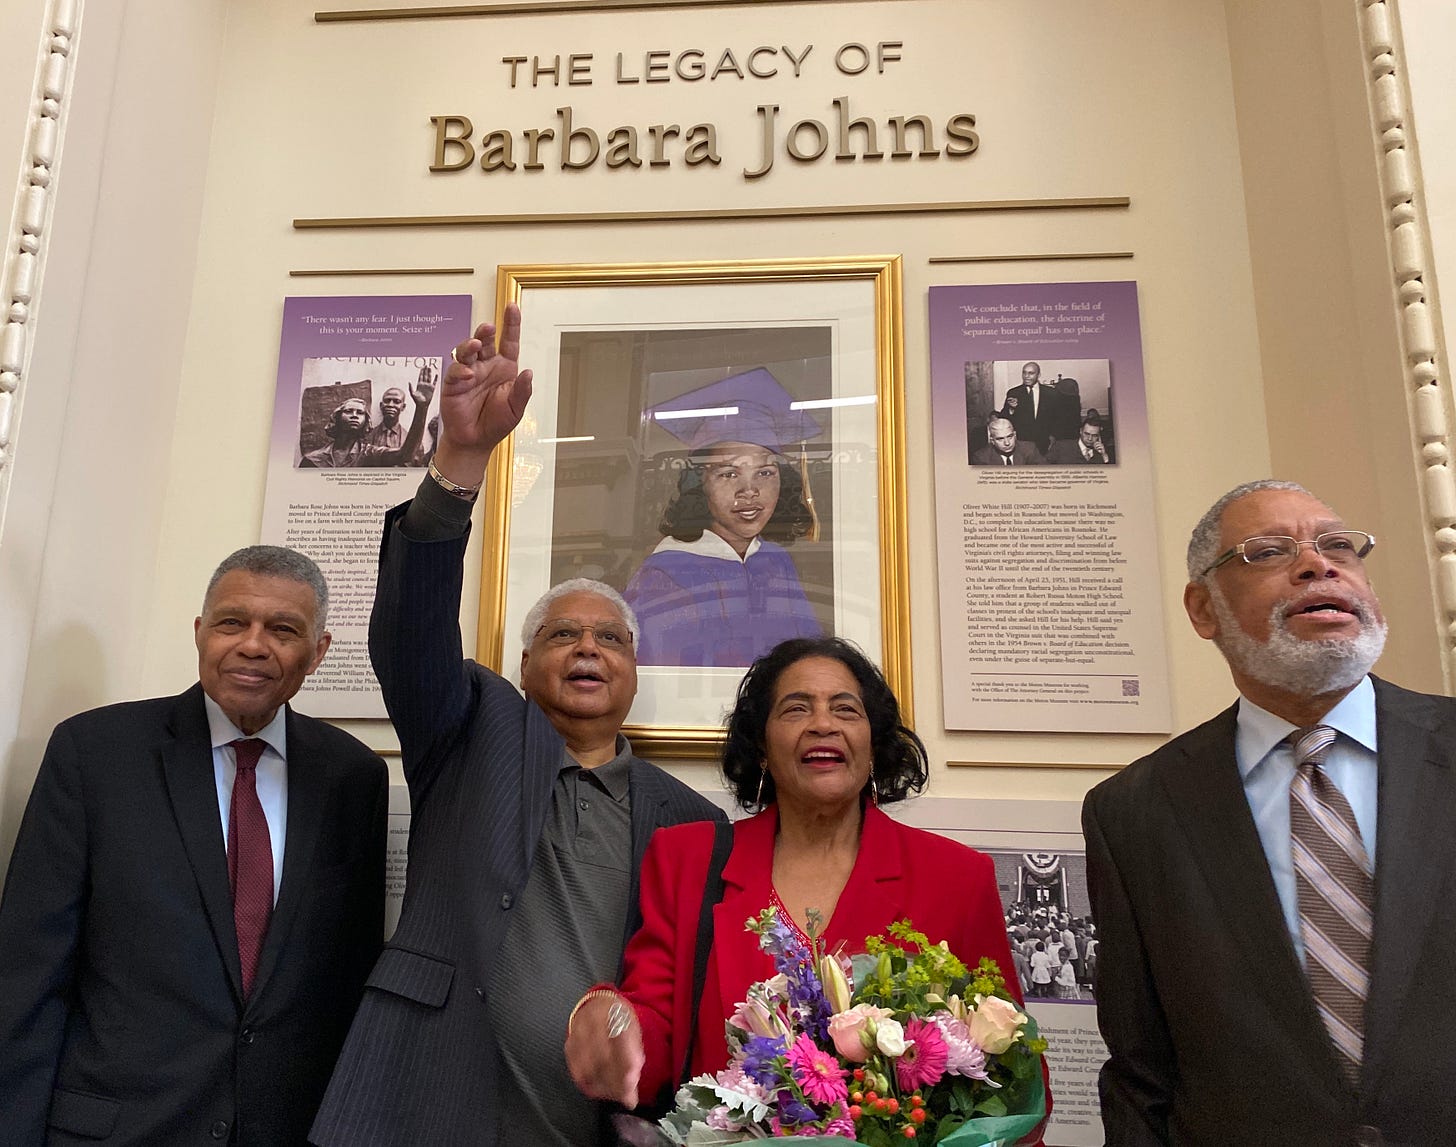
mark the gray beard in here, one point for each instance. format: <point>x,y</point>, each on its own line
<point>1304,668</point>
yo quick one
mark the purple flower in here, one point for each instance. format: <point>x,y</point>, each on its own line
<point>796,964</point>
<point>792,1111</point>
<point>759,1054</point>
<point>963,1055</point>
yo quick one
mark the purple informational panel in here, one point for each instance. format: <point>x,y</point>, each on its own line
<point>354,425</point>
<point>1051,603</point>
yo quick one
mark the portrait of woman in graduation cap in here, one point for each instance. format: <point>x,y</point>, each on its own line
<point>720,588</point>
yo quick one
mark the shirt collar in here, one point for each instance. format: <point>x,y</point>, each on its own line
<point>224,732</point>
<point>614,776</point>
<point>710,545</point>
<point>1260,732</point>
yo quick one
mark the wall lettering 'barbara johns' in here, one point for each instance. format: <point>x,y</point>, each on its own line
<point>568,145</point>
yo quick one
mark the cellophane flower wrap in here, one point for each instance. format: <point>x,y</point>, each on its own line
<point>904,1042</point>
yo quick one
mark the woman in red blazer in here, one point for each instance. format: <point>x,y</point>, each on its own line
<point>816,742</point>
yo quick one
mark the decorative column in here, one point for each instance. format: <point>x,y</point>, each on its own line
<point>25,247</point>
<point>1409,251</point>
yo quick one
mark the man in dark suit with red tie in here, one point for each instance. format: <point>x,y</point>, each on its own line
<point>1273,890</point>
<point>196,894</point>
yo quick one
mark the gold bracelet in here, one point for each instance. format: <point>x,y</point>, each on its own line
<point>464,493</point>
<point>595,993</point>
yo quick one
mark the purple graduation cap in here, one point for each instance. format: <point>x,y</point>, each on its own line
<point>751,407</point>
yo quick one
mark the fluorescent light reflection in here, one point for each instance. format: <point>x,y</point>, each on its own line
<point>824,403</point>
<point>705,412</point>
<point>577,438</point>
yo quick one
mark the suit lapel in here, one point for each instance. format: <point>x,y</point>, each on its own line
<point>874,894</point>
<point>1414,851</point>
<point>646,800</point>
<point>541,759</point>
<point>747,882</point>
<point>306,785</point>
<point>1207,797</point>
<point>192,789</point>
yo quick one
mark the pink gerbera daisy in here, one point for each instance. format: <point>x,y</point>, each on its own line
<point>925,1056</point>
<point>817,1072</point>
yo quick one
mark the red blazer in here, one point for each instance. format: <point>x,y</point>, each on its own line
<point>947,890</point>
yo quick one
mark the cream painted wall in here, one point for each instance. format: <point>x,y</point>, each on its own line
<point>1328,336</point>
<point>332,121</point>
<point>207,127</point>
<point>82,541</point>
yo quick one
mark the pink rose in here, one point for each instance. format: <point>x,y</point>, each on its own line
<point>846,1030</point>
<point>995,1024</point>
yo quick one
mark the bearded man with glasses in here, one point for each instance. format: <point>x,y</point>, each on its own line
<point>1274,889</point>
<point>529,818</point>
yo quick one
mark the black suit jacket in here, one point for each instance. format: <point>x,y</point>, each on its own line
<point>1213,1035</point>
<point>1057,416</point>
<point>121,1014</point>
<point>420,1064</point>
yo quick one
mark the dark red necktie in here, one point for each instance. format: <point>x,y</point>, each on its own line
<point>250,860</point>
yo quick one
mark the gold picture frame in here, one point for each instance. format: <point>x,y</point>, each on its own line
<point>606,342</point>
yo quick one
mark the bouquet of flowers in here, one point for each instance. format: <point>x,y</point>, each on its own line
<point>904,1043</point>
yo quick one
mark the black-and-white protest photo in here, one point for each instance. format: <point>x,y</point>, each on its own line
<point>1048,923</point>
<point>362,412</point>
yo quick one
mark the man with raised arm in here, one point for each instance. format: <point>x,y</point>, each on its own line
<point>530,816</point>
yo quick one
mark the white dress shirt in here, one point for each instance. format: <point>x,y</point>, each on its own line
<point>272,776</point>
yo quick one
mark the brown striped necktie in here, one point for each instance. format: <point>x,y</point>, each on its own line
<point>1333,880</point>
<point>250,860</point>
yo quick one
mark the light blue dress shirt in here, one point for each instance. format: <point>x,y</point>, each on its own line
<point>272,776</point>
<point>1266,765</point>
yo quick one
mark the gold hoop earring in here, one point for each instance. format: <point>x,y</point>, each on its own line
<point>762,772</point>
<point>874,790</point>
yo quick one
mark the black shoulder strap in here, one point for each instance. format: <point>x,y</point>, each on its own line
<point>712,893</point>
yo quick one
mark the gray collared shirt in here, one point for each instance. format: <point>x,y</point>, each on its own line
<point>565,932</point>
<point>565,935</point>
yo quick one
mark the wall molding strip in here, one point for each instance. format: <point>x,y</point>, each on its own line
<point>699,215</point>
<point>537,8</point>
<point>25,243</point>
<point>1408,245</point>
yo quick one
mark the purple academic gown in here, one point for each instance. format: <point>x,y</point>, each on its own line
<point>698,609</point>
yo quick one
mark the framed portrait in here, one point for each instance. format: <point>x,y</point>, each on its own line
<point>722,443</point>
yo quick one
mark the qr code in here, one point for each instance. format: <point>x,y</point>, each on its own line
<point>1130,688</point>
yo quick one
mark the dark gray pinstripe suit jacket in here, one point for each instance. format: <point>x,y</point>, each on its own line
<point>420,1064</point>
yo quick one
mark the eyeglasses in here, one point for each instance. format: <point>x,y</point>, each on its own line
<point>563,631</point>
<point>1341,547</point>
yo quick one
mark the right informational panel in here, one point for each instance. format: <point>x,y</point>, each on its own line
<point>1050,596</point>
